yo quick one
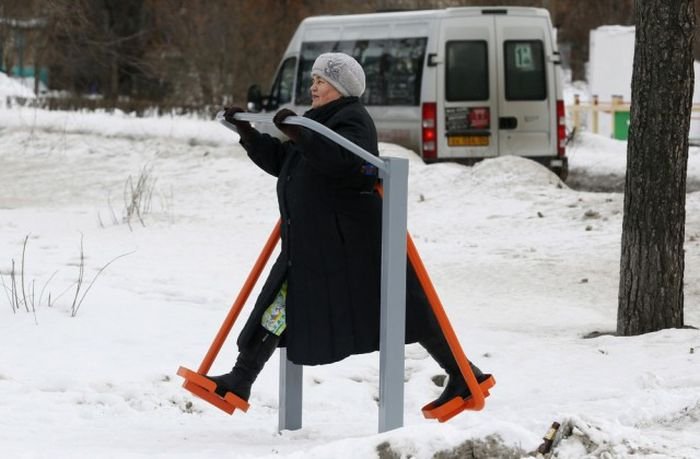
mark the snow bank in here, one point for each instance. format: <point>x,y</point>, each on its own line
<point>524,268</point>
<point>11,88</point>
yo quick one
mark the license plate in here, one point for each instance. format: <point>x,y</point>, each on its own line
<point>468,141</point>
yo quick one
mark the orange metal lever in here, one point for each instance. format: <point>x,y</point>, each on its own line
<point>240,300</point>
<point>196,382</point>
<point>478,391</point>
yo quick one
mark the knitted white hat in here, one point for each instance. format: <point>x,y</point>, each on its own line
<point>342,71</point>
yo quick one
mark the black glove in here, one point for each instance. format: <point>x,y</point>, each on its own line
<point>244,128</point>
<point>292,131</point>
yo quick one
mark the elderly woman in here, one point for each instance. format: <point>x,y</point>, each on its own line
<point>321,299</point>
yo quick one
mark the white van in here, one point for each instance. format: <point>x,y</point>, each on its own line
<point>457,84</point>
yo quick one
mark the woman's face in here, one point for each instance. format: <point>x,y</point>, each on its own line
<point>322,92</point>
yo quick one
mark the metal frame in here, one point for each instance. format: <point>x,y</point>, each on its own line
<point>394,174</point>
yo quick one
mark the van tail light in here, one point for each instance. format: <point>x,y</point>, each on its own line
<point>561,129</point>
<point>429,130</point>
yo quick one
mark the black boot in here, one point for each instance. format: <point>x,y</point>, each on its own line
<point>456,386</point>
<point>249,363</point>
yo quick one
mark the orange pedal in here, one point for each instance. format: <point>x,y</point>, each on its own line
<point>485,385</point>
<point>430,411</point>
<point>450,409</point>
<point>204,388</point>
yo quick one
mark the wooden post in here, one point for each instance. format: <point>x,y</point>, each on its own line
<point>614,107</point>
<point>576,112</point>
<point>594,115</point>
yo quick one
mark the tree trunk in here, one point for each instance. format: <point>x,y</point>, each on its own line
<point>653,227</point>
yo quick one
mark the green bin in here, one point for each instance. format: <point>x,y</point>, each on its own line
<point>621,125</point>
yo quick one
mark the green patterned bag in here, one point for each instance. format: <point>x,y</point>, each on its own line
<point>274,318</point>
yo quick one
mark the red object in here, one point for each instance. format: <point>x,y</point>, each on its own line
<point>479,118</point>
<point>561,129</point>
<point>429,130</point>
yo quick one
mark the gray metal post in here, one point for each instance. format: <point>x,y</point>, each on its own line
<point>394,172</point>
<point>290,393</point>
<point>393,295</point>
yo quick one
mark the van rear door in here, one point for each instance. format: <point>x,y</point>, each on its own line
<point>526,99</point>
<point>467,99</point>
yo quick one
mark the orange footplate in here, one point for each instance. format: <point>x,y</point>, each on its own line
<point>448,410</point>
<point>204,388</point>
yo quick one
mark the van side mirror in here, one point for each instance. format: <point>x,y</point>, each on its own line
<point>255,99</point>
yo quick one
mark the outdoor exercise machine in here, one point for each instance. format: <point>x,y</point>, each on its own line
<point>394,190</point>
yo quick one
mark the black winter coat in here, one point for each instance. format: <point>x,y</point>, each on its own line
<point>331,241</point>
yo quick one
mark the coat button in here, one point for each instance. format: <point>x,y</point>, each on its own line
<point>289,262</point>
<point>289,177</point>
<point>289,222</point>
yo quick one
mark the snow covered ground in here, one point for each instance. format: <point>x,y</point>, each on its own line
<point>525,266</point>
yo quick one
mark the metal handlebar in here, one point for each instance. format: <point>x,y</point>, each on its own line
<point>309,124</point>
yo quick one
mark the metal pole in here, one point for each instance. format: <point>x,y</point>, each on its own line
<point>290,394</point>
<point>393,295</point>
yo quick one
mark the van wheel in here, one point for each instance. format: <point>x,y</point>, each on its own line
<point>562,172</point>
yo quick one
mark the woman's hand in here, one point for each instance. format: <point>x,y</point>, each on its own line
<point>291,131</point>
<point>230,112</point>
<point>245,130</point>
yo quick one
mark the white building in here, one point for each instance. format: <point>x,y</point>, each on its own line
<point>610,64</point>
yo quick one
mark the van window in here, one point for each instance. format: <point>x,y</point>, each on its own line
<point>525,72</point>
<point>467,74</point>
<point>283,87</point>
<point>393,68</point>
